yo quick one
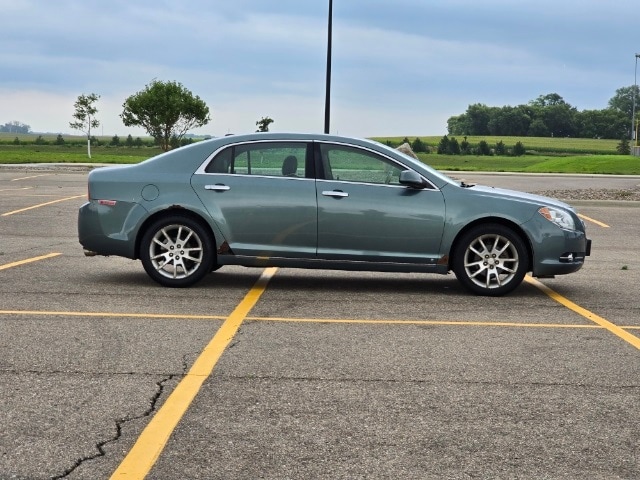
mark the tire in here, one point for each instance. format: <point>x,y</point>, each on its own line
<point>490,260</point>
<point>177,251</point>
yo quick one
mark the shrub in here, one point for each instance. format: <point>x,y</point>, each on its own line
<point>483,148</point>
<point>454,146</point>
<point>443,145</point>
<point>418,146</point>
<point>518,149</point>
<point>623,147</point>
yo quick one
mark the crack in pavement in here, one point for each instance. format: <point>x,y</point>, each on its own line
<point>119,424</point>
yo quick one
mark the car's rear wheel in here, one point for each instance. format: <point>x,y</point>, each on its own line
<point>177,251</point>
<point>490,260</point>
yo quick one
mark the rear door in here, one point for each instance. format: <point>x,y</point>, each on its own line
<point>262,196</point>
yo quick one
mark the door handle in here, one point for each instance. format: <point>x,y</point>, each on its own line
<point>335,193</point>
<point>217,187</point>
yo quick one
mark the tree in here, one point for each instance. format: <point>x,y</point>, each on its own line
<point>165,110</point>
<point>607,123</point>
<point>85,116</point>
<point>538,129</point>
<point>457,125</point>
<point>59,140</point>
<point>263,124</point>
<point>623,100</point>
<point>509,121</point>
<point>477,116</point>
<point>115,141</point>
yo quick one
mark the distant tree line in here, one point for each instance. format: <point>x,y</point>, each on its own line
<point>451,146</point>
<point>115,142</point>
<point>15,127</point>
<point>549,116</point>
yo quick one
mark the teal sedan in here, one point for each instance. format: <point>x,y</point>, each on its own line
<point>321,201</point>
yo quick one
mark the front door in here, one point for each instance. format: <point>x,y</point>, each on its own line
<point>364,213</point>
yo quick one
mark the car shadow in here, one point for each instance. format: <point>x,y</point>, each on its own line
<point>318,282</point>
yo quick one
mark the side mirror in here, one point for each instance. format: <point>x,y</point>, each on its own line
<point>411,179</point>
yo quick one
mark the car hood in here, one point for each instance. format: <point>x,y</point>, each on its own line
<point>516,195</point>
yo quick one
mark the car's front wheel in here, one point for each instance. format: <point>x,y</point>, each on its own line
<point>490,260</point>
<point>177,251</point>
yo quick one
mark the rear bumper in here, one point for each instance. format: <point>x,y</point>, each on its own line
<point>110,229</point>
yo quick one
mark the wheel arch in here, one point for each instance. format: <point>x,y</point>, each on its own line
<point>493,220</point>
<point>174,210</point>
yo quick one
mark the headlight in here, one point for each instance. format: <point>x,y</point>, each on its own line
<point>559,217</point>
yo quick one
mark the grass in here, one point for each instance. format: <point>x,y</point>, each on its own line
<point>594,164</point>
<point>21,154</point>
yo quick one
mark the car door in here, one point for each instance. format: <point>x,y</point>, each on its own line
<point>364,213</point>
<point>262,197</point>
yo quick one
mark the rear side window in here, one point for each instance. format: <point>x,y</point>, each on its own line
<point>274,159</point>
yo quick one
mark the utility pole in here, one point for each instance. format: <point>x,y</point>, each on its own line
<point>327,98</point>
<point>634,135</point>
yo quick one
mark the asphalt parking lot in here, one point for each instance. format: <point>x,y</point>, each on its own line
<point>308,374</point>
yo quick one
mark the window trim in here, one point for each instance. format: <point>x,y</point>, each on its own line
<point>309,165</point>
<point>320,170</point>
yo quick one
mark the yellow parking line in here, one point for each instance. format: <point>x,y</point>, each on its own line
<point>40,205</point>
<point>32,176</point>
<point>111,315</point>
<point>615,329</point>
<point>154,437</point>
<point>170,316</point>
<point>15,189</point>
<point>584,217</point>
<point>28,260</point>
<point>420,322</point>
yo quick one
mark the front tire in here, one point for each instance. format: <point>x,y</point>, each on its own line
<point>177,251</point>
<point>490,260</point>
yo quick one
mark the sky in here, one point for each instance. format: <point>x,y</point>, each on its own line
<point>399,67</point>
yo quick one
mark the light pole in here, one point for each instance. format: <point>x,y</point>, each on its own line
<point>327,98</point>
<point>634,135</point>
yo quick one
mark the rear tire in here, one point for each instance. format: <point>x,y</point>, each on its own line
<point>490,260</point>
<point>177,251</point>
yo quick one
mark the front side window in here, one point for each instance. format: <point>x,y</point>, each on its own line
<point>275,159</point>
<point>356,165</point>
